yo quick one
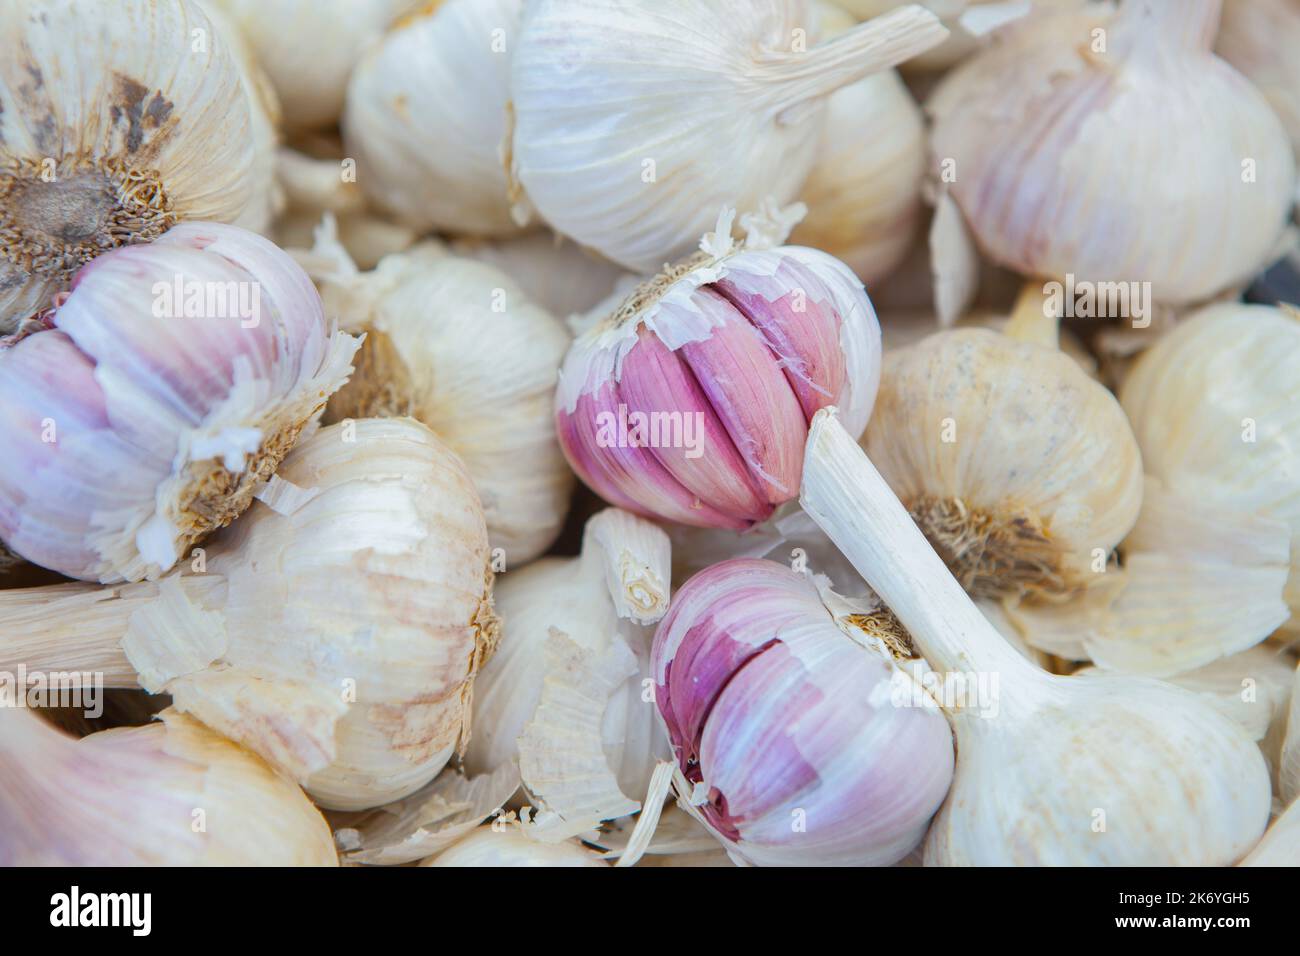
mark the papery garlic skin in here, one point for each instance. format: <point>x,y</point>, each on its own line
<point>788,722</point>
<point>723,359</point>
<point>1256,37</point>
<point>635,122</point>
<point>458,346</point>
<point>1215,406</point>
<point>864,190</point>
<point>118,122</point>
<point>1192,150</point>
<point>426,116</point>
<point>143,412</point>
<point>1016,465</point>
<point>1281,844</point>
<point>129,797</point>
<point>310,47</point>
<point>510,846</point>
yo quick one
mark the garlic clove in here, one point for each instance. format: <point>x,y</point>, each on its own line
<point>511,845</point>
<point>1281,844</point>
<point>168,794</point>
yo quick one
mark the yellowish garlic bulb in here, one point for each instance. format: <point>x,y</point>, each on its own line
<point>864,191</point>
<point>426,116</point>
<point>1258,37</point>
<point>1191,150</point>
<point>511,845</point>
<point>169,794</point>
<point>119,121</point>
<point>634,123</point>
<point>457,345</point>
<point>335,629</point>
<point>309,48</point>
<point>1212,565</point>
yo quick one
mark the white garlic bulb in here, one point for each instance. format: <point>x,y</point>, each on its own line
<point>1191,151</point>
<point>1212,566</point>
<point>864,190</point>
<point>564,692</point>
<point>145,409</point>
<point>335,629</point>
<point>635,122</point>
<point>457,345</point>
<point>169,794</point>
<point>510,845</point>
<point>1257,37</point>
<point>426,116</point>
<point>309,48</point>
<point>118,121</point>
<point>1094,770</point>
<point>1281,844</point>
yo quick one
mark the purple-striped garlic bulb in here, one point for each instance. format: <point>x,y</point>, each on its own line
<point>152,403</point>
<point>799,718</point>
<point>690,401</point>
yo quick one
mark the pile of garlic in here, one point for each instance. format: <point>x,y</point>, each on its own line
<point>649,433</point>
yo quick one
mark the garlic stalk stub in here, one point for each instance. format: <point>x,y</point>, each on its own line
<point>1103,770</point>
<point>146,408</point>
<point>634,122</point>
<point>796,725</point>
<point>457,345</point>
<point>1195,181</point>
<point>335,629</point>
<point>116,122</point>
<point>691,400</point>
<point>426,115</point>
<point>169,794</point>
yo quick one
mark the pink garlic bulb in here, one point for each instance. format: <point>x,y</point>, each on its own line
<point>807,738</point>
<point>691,400</point>
<point>150,405</point>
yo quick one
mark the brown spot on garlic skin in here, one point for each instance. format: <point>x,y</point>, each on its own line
<point>882,624</point>
<point>651,290</point>
<point>992,555</point>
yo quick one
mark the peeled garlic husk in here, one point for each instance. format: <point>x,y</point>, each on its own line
<point>802,730</point>
<point>1256,36</point>
<point>634,123</point>
<point>309,48</point>
<point>864,190</point>
<point>565,692</point>
<point>1281,844</point>
<point>689,402</point>
<point>457,345</point>
<point>1085,771</point>
<point>1212,566</point>
<point>335,629</point>
<point>119,122</point>
<point>510,845</point>
<point>145,409</point>
<point>427,142</point>
<point>169,794</point>
<point>1192,151</point>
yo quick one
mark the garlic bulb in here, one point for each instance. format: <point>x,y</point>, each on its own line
<point>1256,36</point>
<point>428,143</point>
<point>117,123</point>
<point>691,400</point>
<point>457,345</point>
<point>1191,151</point>
<point>169,794</point>
<point>968,21</point>
<point>1281,844</point>
<point>1212,566</point>
<point>635,122</point>
<point>1097,771</point>
<point>510,845</point>
<point>806,741</point>
<point>574,644</point>
<point>864,190</point>
<point>309,48</point>
<point>335,629</point>
<point>144,410</point>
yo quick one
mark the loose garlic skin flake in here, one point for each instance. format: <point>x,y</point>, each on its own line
<point>1194,184</point>
<point>116,122</point>
<point>635,122</point>
<point>129,797</point>
<point>136,425</point>
<point>426,141</point>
